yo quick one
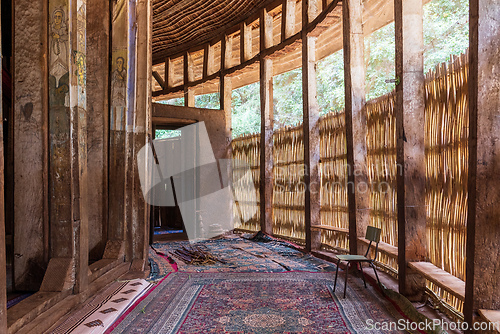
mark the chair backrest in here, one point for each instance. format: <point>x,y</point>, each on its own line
<point>373,235</point>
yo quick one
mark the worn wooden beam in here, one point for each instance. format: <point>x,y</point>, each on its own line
<point>311,137</point>
<point>142,126</point>
<point>206,52</point>
<point>484,140</point>
<point>245,42</point>
<point>266,145</point>
<point>266,30</point>
<point>410,130</point>
<point>159,79</point>
<point>189,98</point>
<point>169,73</point>
<point>354,69</point>
<point>351,189</point>
<point>3,257</point>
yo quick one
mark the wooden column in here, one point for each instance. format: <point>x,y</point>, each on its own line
<point>266,127</point>
<point>266,145</point>
<point>245,42</point>
<point>189,98</point>
<point>169,73</point>
<point>119,111</point>
<point>354,72</point>
<point>30,118</point>
<point>483,229</point>
<point>98,123</point>
<point>311,136</point>
<point>3,263</point>
<point>410,128</point>
<point>288,19</point>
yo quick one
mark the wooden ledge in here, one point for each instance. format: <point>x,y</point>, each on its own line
<point>385,248</point>
<point>441,278</point>
<point>491,316</point>
<point>28,309</point>
<point>330,228</point>
<point>99,268</point>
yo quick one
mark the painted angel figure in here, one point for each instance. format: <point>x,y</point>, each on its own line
<point>59,56</point>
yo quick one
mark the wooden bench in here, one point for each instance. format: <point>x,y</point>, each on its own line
<point>441,278</point>
<point>491,316</point>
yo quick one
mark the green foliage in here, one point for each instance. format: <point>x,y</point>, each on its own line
<point>162,134</point>
<point>173,102</point>
<point>207,101</point>
<point>245,106</point>
<point>330,83</point>
<point>287,98</point>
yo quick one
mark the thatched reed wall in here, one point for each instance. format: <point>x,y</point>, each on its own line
<point>446,140</point>
<point>446,131</point>
<point>382,170</point>
<point>333,173</point>
<point>288,192</point>
<point>247,150</point>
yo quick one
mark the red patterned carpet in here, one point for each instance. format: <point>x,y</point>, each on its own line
<point>251,294</point>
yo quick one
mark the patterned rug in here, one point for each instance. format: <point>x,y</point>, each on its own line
<point>242,255</point>
<point>104,309</point>
<point>160,266</point>
<point>291,302</point>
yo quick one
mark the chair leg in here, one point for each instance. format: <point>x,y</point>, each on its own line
<point>378,280</point>
<point>346,272</point>
<point>362,274</point>
<point>336,274</point>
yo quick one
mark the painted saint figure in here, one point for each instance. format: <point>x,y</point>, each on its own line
<point>118,94</point>
<point>59,56</point>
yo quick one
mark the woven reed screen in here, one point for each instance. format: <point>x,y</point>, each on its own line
<point>247,150</point>
<point>333,173</point>
<point>288,192</point>
<point>446,138</point>
<point>382,169</point>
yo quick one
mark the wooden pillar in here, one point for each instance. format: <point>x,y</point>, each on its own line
<point>189,98</point>
<point>169,73</point>
<point>245,42</point>
<point>288,19</point>
<point>3,263</point>
<point>266,127</point>
<point>356,128</point>
<point>266,145</point>
<point>142,115</point>
<point>98,123</point>
<point>410,129</point>
<point>119,109</point>
<point>311,136</point>
<point>483,230</point>
<point>30,118</point>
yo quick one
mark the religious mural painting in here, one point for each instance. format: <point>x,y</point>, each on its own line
<point>67,77</point>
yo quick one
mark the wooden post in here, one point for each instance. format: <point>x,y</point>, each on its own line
<point>410,129</point>
<point>288,19</point>
<point>483,229</point>
<point>311,136</point>
<point>266,145</point>
<point>206,52</point>
<point>354,71</point>
<point>30,141</point>
<point>140,216</point>
<point>266,127</point>
<point>189,98</point>
<point>169,73</point>
<point>3,263</point>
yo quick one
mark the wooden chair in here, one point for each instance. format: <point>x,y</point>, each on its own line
<point>372,234</point>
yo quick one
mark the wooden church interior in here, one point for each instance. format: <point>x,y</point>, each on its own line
<point>84,89</point>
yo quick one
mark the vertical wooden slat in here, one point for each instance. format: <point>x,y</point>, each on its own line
<point>189,99</point>
<point>484,175</point>
<point>351,191</point>
<point>288,24</point>
<point>206,52</point>
<point>3,263</point>
<point>266,144</point>
<point>311,136</point>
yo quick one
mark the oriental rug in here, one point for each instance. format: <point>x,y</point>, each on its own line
<point>103,310</point>
<point>242,255</point>
<point>290,302</point>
